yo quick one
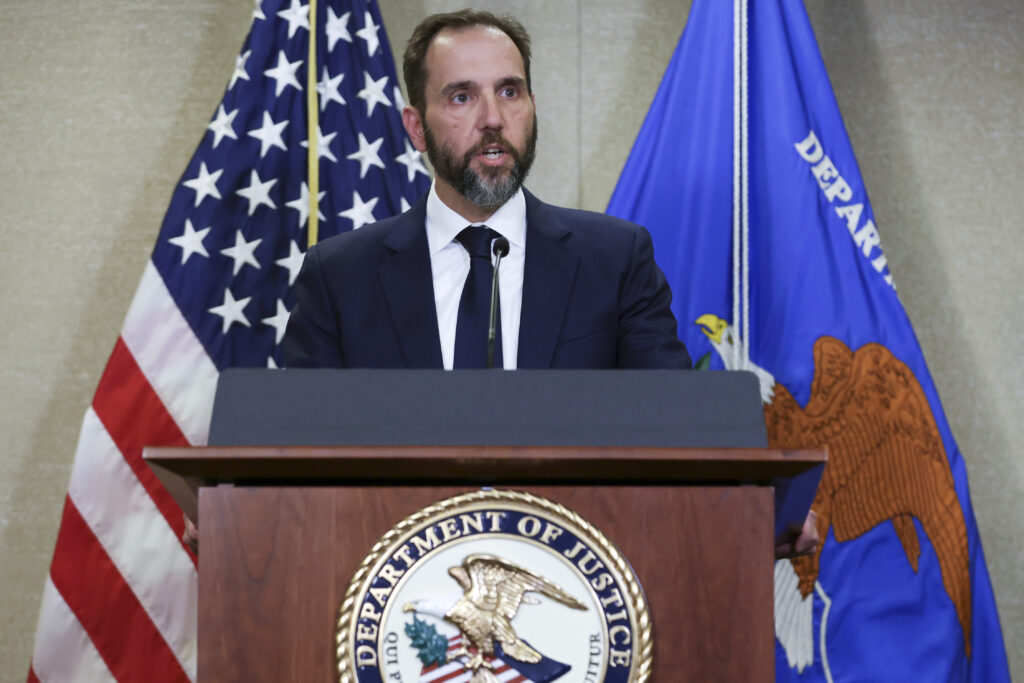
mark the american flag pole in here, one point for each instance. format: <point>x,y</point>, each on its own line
<point>119,603</point>
<point>312,161</point>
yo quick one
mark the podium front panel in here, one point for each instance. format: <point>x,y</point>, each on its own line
<point>276,562</point>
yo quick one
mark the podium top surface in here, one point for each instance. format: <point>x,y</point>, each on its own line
<point>794,473</point>
<point>623,408</point>
<point>332,465</point>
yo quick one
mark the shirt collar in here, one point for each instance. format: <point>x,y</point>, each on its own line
<point>443,223</point>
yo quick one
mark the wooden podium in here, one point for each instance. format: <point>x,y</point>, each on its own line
<point>283,530</point>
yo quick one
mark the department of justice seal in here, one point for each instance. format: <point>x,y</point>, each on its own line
<point>494,586</point>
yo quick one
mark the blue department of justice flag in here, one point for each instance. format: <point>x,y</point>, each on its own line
<point>119,602</point>
<point>765,232</point>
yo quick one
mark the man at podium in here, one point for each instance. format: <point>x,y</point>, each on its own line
<point>574,289</point>
<point>480,271</point>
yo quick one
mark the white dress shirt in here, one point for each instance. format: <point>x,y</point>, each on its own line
<point>449,264</point>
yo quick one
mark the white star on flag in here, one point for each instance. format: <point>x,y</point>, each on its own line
<point>328,90</point>
<point>257,11</point>
<point>243,252</point>
<point>323,145</point>
<point>190,241</point>
<point>284,73</point>
<point>279,321</point>
<point>297,16</point>
<point>399,100</point>
<point>269,134</point>
<point>361,212</point>
<point>205,184</point>
<point>293,262</point>
<point>231,311</point>
<point>373,92</point>
<point>240,71</point>
<point>404,205</point>
<point>369,34</point>
<point>302,204</point>
<point>221,125</point>
<point>337,28</point>
<point>367,155</point>
<point>258,192</point>
<point>413,162</point>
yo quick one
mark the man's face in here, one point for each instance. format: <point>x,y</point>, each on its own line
<point>489,186</point>
<point>478,129</point>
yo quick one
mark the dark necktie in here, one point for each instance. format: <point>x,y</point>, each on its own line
<point>475,305</point>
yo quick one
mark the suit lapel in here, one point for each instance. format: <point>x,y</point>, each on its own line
<point>548,275</point>
<point>409,290</point>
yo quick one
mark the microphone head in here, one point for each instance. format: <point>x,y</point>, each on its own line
<point>501,247</point>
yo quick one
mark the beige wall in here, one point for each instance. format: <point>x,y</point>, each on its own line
<point>102,104</point>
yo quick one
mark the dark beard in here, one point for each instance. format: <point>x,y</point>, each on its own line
<point>493,187</point>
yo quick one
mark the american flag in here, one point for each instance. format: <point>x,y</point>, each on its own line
<point>119,603</point>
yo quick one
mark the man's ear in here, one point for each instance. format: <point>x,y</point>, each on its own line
<point>413,123</point>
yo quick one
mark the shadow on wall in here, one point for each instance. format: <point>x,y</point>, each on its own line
<point>903,211</point>
<point>625,51</point>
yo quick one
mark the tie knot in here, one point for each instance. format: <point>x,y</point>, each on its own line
<point>477,240</point>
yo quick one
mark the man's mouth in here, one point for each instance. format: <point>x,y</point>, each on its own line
<point>492,153</point>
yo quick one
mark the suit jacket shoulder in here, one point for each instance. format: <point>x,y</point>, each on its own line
<point>365,299</point>
<point>592,297</point>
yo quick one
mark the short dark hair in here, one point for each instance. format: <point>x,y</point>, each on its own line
<point>414,63</point>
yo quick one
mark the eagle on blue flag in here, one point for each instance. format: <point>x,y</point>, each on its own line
<point>745,177</point>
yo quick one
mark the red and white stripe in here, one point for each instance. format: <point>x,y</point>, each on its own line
<point>120,601</point>
<point>455,672</point>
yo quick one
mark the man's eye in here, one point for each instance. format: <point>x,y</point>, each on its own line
<point>460,98</point>
<point>509,92</point>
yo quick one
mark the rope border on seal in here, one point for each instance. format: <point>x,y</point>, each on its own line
<point>642,664</point>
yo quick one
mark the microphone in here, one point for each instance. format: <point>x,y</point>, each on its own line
<point>500,249</point>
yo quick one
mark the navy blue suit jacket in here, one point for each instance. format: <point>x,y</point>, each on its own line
<point>592,297</point>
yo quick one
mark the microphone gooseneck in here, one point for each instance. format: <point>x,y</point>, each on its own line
<point>500,249</point>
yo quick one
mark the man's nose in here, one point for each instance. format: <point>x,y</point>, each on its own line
<point>491,115</point>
